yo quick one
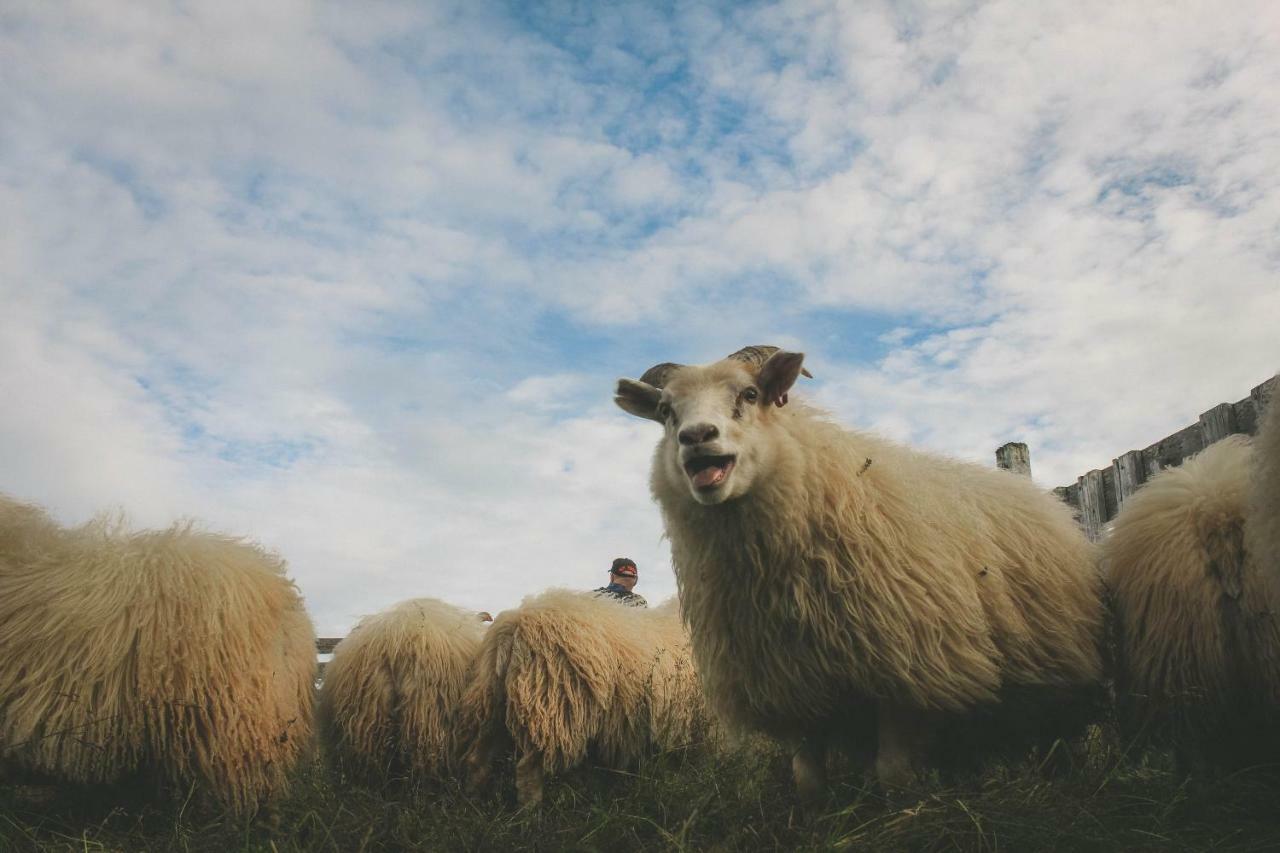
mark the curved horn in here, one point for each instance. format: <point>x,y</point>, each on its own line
<point>659,374</point>
<point>757,355</point>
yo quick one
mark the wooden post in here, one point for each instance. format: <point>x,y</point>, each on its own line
<point>1130,472</point>
<point>1093,513</point>
<point>1217,423</point>
<point>1014,457</point>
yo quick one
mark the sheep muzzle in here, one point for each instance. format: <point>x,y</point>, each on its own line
<point>709,472</point>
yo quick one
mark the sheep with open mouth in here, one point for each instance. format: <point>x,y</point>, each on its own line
<point>836,584</point>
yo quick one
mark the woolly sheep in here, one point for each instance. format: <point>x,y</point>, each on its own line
<point>836,584</point>
<point>569,674</point>
<point>1263,530</point>
<point>175,657</point>
<point>1198,646</point>
<point>391,691</point>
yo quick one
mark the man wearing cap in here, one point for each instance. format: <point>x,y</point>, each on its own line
<point>622,579</point>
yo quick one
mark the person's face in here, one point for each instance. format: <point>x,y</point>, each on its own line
<point>624,581</point>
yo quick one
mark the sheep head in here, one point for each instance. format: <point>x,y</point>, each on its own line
<point>715,416</point>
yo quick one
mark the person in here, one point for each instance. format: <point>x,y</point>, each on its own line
<point>622,580</point>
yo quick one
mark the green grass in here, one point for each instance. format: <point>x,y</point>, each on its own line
<point>741,801</point>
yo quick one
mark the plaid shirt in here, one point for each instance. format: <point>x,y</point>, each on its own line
<point>631,599</point>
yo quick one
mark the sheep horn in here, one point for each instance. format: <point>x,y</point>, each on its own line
<point>659,374</point>
<point>757,355</point>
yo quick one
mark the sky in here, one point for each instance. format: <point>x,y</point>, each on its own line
<point>356,280</point>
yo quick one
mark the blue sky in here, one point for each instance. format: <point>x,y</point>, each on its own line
<point>357,281</point>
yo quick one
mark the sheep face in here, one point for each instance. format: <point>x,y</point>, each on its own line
<point>717,421</point>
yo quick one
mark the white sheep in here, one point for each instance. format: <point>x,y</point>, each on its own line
<point>1263,530</point>
<point>390,694</point>
<point>1198,644</point>
<point>569,675</point>
<point>833,580</point>
<point>176,656</point>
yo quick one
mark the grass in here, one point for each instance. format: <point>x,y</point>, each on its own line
<point>738,801</point>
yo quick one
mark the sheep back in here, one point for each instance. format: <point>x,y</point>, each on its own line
<point>859,569</point>
<point>391,691</point>
<point>1262,532</point>
<point>567,674</point>
<point>1198,651</point>
<point>178,656</point>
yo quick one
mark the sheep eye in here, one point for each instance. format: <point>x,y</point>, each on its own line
<point>664,411</point>
<point>750,395</point>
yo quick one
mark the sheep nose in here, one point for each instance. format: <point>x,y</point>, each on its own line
<point>698,433</point>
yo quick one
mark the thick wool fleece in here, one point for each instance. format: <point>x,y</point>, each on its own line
<point>391,692</point>
<point>1263,529</point>
<point>568,672</point>
<point>176,656</point>
<point>859,569</point>
<point>1198,644</point>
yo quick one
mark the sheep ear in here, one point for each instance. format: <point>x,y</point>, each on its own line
<point>638,398</point>
<point>778,374</point>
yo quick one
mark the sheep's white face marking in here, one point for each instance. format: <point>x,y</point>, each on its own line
<point>709,414</point>
<point>716,418</point>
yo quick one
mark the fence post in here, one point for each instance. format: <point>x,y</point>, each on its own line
<point>1217,423</point>
<point>1014,457</point>
<point>1093,512</point>
<point>1130,472</point>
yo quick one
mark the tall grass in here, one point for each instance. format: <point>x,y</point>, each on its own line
<point>741,800</point>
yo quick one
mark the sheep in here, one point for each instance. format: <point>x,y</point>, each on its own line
<point>1263,530</point>
<point>177,659</point>
<point>391,691</point>
<point>1198,646</point>
<point>569,675</point>
<point>836,584</point>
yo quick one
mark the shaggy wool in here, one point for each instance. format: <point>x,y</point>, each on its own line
<point>860,568</point>
<point>1263,529</point>
<point>178,658</point>
<point>1198,657</point>
<point>391,692</point>
<point>569,674</point>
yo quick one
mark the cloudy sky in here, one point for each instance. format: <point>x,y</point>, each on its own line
<point>356,279</point>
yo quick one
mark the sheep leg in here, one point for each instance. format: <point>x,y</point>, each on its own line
<point>484,755</point>
<point>529,778</point>
<point>809,768</point>
<point>902,736</point>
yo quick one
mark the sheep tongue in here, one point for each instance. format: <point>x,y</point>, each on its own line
<point>708,476</point>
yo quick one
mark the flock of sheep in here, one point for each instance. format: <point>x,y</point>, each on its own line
<point>836,591</point>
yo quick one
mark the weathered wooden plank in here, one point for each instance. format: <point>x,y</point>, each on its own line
<point>1245,414</point>
<point>1130,473</point>
<point>1172,451</point>
<point>1217,423</point>
<point>1263,392</point>
<point>1110,494</point>
<point>1150,463</point>
<point>1014,457</point>
<point>325,645</point>
<point>1092,504</point>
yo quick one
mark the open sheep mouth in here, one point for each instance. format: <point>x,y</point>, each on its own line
<point>707,472</point>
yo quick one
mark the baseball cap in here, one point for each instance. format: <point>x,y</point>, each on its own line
<point>625,567</point>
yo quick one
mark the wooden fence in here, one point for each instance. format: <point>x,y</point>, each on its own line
<point>1098,495</point>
